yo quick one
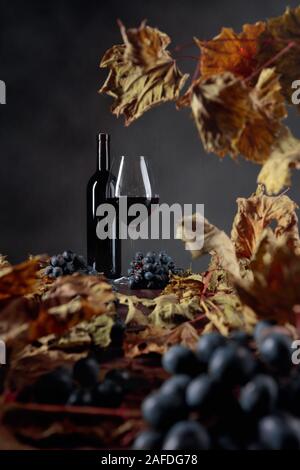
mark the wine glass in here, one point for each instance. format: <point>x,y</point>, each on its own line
<point>131,182</point>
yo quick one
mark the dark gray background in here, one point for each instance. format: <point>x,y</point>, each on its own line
<point>49,56</point>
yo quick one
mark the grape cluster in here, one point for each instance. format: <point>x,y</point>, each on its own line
<point>68,263</point>
<point>80,386</point>
<point>240,392</point>
<point>151,271</point>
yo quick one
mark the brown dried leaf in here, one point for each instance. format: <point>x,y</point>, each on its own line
<point>71,300</point>
<point>3,262</point>
<point>231,52</point>
<point>276,172</point>
<point>19,280</point>
<point>226,314</point>
<point>282,32</point>
<point>215,242</point>
<point>232,118</point>
<point>255,214</point>
<point>219,105</point>
<point>274,289</point>
<point>168,310</point>
<point>145,46</point>
<point>263,122</point>
<point>158,340</point>
<point>142,73</point>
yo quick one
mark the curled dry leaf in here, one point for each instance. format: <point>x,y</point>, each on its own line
<point>142,73</point>
<point>280,40</point>
<point>231,52</point>
<point>185,287</point>
<point>145,46</point>
<point>264,115</point>
<point>215,242</point>
<point>219,106</point>
<point>169,311</point>
<point>233,118</point>
<point>276,172</point>
<point>134,314</point>
<point>19,280</point>
<point>274,289</point>
<point>226,313</point>
<point>3,262</point>
<point>71,300</point>
<point>154,339</point>
<point>255,214</point>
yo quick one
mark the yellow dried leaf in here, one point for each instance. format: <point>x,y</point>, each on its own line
<point>230,51</point>
<point>142,73</point>
<point>276,172</point>
<point>255,214</point>
<point>71,300</point>
<point>215,242</point>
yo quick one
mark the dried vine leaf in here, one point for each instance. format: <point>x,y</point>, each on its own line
<point>281,32</point>
<point>145,46</point>
<point>215,242</point>
<point>264,116</point>
<point>219,106</point>
<point>255,214</point>
<point>274,290</point>
<point>226,314</point>
<point>71,300</point>
<point>142,73</point>
<point>168,310</point>
<point>233,118</point>
<point>276,172</point>
<point>231,52</point>
<point>185,287</point>
<point>33,361</point>
<point>157,340</point>
<point>19,280</point>
<point>3,262</point>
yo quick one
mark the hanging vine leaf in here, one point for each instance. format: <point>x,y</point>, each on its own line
<point>276,172</point>
<point>142,73</point>
<point>233,118</point>
<point>231,52</point>
<point>281,38</point>
<point>255,214</point>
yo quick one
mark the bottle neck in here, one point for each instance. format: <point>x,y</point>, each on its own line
<point>103,158</point>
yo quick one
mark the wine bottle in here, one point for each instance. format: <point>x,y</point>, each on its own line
<point>103,255</point>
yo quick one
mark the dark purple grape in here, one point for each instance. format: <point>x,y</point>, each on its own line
<point>161,412</point>
<point>276,432</point>
<point>86,371</point>
<point>108,394</point>
<point>259,397</point>
<point>276,351</point>
<point>148,276</point>
<point>176,385</point>
<point>54,387</point>
<point>232,365</point>
<point>48,270</point>
<point>262,327</point>
<point>80,397</point>
<point>57,272</point>
<point>187,435</point>
<point>148,440</point>
<point>68,255</point>
<point>203,395</point>
<point>207,345</point>
<point>180,360</point>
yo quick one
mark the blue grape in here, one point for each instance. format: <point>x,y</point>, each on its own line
<point>276,432</point>
<point>207,345</point>
<point>202,394</point>
<point>148,440</point>
<point>187,435</point>
<point>148,276</point>
<point>275,350</point>
<point>86,371</point>
<point>176,385</point>
<point>161,412</point>
<point>180,360</point>
<point>259,397</point>
<point>232,365</point>
<point>57,272</point>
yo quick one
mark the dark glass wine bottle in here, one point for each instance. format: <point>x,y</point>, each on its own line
<point>103,255</point>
